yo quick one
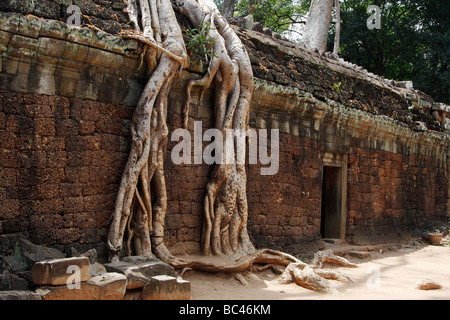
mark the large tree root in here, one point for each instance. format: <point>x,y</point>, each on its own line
<point>225,203</point>
<point>309,276</point>
<point>312,277</point>
<point>327,256</point>
<point>221,264</point>
<point>141,201</point>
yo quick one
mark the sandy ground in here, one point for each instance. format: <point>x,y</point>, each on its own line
<point>389,274</point>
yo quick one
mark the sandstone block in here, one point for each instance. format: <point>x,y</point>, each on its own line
<point>112,286</point>
<point>57,271</point>
<point>19,295</point>
<point>166,288</point>
<point>139,270</point>
<point>107,286</point>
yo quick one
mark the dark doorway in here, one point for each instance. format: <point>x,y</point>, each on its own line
<point>331,217</point>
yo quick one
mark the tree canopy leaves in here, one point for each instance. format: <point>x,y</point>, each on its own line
<point>278,15</point>
<point>412,44</point>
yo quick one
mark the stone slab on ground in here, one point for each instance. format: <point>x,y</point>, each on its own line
<point>57,272</point>
<point>107,286</point>
<point>139,270</point>
<point>19,295</point>
<point>166,288</point>
<point>12,282</point>
<point>96,269</point>
<point>112,285</point>
<point>359,254</point>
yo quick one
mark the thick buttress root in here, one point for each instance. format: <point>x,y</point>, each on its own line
<point>141,201</point>
<point>225,204</point>
<point>312,276</point>
<point>135,209</point>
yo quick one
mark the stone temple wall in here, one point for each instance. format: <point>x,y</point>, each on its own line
<point>66,100</point>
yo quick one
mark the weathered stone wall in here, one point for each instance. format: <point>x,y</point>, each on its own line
<point>66,101</point>
<point>397,178</point>
<point>108,15</point>
<point>390,193</point>
<point>61,162</point>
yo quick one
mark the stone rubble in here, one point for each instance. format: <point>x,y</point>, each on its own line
<point>35,272</point>
<point>55,272</point>
<point>166,288</point>
<point>138,270</point>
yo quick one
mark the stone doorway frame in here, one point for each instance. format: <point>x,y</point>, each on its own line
<point>336,160</point>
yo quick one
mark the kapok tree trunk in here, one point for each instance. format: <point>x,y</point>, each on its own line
<point>337,33</point>
<point>228,8</point>
<point>317,25</point>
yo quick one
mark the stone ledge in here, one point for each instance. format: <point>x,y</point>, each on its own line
<point>166,288</point>
<point>107,286</point>
<point>33,27</point>
<point>58,271</point>
<point>19,295</point>
<point>286,103</point>
<point>139,270</point>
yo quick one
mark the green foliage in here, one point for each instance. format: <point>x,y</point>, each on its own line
<point>219,4</point>
<point>412,44</point>
<point>337,87</point>
<point>200,44</point>
<point>277,15</point>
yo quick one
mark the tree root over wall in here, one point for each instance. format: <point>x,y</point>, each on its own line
<point>141,201</point>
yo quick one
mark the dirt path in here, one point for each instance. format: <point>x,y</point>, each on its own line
<point>390,274</point>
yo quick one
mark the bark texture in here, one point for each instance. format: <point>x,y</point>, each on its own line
<point>312,276</point>
<point>317,24</point>
<point>141,202</point>
<point>337,34</point>
<point>225,204</point>
<point>228,8</point>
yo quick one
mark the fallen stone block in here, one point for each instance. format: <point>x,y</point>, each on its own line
<point>91,254</point>
<point>28,253</point>
<point>10,281</point>
<point>166,288</point>
<point>11,264</point>
<point>107,286</point>
<point>60,271</point>
<point>139,270</point>
<point>133,294</point>
<point>96,269</point>
<point>112,285</point>
<point>427,284</point>
<point>19,295</point>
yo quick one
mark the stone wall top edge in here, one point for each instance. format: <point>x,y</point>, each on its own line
<point>303,105</point>
<point>41,29</point>
<point>297,50</point>
<point>35,27</point>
